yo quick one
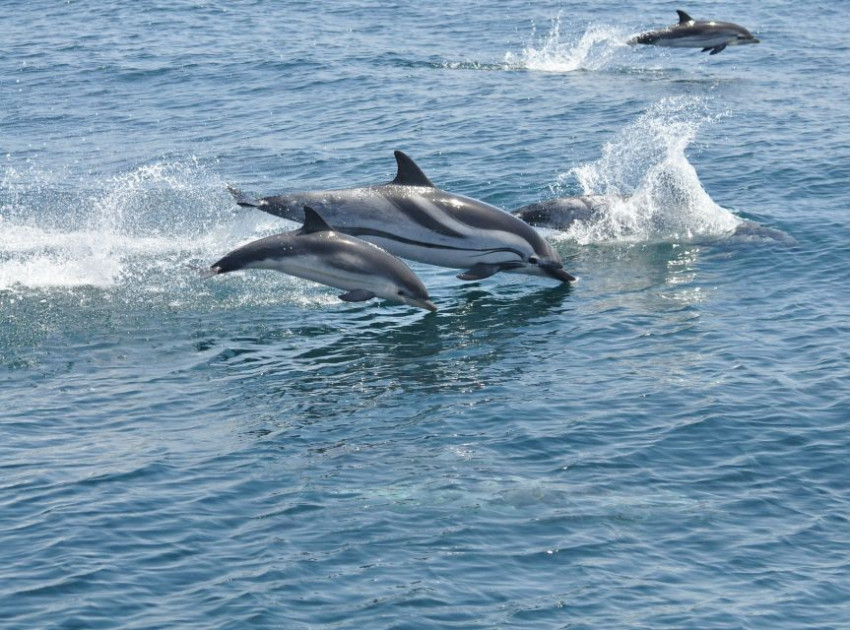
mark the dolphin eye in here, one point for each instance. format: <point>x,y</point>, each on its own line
<point>533,260</point>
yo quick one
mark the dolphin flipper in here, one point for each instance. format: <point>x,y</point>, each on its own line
<point>479,271</point>
<point>357,295</point>
<point>717,49</point>
<point>243,199</point>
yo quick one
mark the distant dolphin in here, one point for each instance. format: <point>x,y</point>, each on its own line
<point>413,219</point>
<point>316,252</point>
<point>690,33</point>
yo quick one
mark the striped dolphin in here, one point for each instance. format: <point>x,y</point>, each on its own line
<point>563,212</point>
<point>691,33</point>
<point>410,217</point>
<point>317,252</point>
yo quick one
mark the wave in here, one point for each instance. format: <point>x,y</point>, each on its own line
<point>655,192</point>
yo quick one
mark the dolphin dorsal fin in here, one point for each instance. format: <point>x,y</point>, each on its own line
<point>313,222</point>
<point>409,174</point>
<point>684,18</point>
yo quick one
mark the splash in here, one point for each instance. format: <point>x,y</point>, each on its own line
<point>655,192</point>
<point>594,50</point>
<point>133,229</point>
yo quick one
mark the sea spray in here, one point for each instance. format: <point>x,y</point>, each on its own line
<point>655,190</point>
<point>147,222</point>
<point>595,49</point>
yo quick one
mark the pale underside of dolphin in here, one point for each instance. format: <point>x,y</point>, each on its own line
<point>316,252</point>
<point>689,33</point>
<point>411,218</point>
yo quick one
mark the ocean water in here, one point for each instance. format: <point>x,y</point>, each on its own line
<point>662,445</point>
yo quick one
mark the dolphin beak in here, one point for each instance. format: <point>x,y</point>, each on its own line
<point>558,272</point>
<point>426,304</point>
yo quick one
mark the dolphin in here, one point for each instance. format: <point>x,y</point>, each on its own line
<point>316,252</point>
<point>563,212</point>
<point>690,33</point>
<point>411,218</point>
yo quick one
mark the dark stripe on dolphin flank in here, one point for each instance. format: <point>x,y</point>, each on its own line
<point>421,217</point>
<point>361,232</point>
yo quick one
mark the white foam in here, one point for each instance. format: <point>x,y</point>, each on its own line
<point>594,50</point>
<point>158,217</point>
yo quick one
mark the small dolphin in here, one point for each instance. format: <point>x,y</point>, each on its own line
<point>316,252</point>
<point>690,33</point>
<point>411,218</point>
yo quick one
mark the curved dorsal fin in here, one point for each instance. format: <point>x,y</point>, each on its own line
<point>684,18</point>
<point>409,174</point>
<point>313,222</point>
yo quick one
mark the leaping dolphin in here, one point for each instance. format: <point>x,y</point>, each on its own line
<point>691,33</point>
<point>410,217</point>
<point>316,252</point>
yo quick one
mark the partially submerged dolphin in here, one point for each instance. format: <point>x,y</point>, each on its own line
<point>316,252</point>
<point>561,213</point>
<point>411,218</point>
<point>691,33</point>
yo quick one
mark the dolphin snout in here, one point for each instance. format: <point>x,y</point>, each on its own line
<point>556,270</point>
<point>422,303</point>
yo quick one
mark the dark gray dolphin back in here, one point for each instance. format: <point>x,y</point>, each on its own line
<point>282,245</point>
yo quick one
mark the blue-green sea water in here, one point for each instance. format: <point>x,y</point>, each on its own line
<point>664,444</point>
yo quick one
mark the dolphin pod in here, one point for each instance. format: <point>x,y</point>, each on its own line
<point>316,252</point>
<point>690,33</point>
<point>411,218</point>
<point>350,237</point>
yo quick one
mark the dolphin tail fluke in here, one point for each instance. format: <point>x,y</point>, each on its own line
<point>243,199</point>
